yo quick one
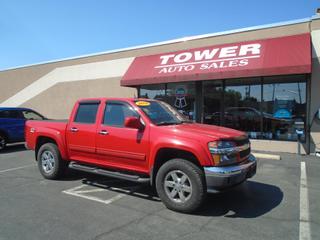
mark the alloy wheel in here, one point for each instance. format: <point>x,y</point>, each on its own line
<point>47,161</point>
<point>178,186</point>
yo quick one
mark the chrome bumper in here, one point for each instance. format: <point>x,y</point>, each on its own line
<point>219,178</point>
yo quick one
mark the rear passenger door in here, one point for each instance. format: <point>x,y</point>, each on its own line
<point>81,132</point>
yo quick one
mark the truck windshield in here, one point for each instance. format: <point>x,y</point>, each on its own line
<point>161,113</point>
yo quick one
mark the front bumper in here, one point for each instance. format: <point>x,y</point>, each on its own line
<point>219,178</point>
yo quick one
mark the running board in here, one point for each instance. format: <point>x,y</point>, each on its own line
<point>108,173</point>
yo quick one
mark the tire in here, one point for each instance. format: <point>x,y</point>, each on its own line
<point>181,185</point>
<point>3,142</point>
<point>50,163</point>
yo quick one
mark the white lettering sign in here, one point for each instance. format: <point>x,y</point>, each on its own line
<point>211,58</point>
<point>205,55</point>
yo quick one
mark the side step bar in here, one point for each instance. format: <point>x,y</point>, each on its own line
<point>108,173</point>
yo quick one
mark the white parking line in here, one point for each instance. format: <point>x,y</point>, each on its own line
<point>91,191</point>
<point>76,191</point>
<point>17,168</point>
<point>304,226</point>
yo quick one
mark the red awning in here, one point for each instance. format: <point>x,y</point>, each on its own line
<point>275,56</point>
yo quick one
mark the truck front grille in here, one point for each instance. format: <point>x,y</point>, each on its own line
<point>245,153</point>
<point>240,141</point>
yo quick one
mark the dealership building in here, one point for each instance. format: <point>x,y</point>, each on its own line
<point>263,80</point>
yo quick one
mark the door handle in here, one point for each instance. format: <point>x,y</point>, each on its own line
<point>74,129</point>
<point>103,132</point>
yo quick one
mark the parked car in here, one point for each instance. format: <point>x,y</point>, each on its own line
<point>12,123</point>
<point>147,141</point>
<point>249,119</point>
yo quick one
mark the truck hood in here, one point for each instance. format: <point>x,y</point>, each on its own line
<point>211,132</point>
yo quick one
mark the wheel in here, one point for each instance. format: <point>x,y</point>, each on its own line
<point>3,142</point>
<point>181,185</point>
<point>50,163</point>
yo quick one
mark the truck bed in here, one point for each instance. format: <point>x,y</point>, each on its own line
<point>53,120</point>
<point>45,128</point>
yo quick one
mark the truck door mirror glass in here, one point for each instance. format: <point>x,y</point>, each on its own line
<point>133,122</point>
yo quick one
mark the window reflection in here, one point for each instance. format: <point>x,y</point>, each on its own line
<point>264,111</point>
<point>182,97</point>
<point>285,103</point>
<point>212,92</point>
<point>242,106</point>
<point>154,91</point>
<point>265,108</point>
<point>179,95</point>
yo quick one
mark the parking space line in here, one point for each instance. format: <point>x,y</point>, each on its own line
<point>91,191</point>
<point>17,168</point>
<point>75,192</point>
<point>304,221</point>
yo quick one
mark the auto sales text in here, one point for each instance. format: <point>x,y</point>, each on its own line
<point>209,59</point>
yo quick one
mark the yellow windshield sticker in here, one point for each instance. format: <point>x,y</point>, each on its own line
<point>142,103</point>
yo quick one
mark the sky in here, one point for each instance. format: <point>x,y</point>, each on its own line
<point>41,30</point>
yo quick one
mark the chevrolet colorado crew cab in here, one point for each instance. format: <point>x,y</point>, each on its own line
<point>143,140</point>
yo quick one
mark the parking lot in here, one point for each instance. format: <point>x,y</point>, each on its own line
<point>83,206</point>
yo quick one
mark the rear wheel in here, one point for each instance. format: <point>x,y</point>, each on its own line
<point>3,142</point>
<point>181,185</point>
<point>50,163</point>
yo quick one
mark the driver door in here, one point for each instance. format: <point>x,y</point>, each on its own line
<point>119,146</point>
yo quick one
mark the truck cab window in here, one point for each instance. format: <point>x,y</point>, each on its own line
<point>115,114</point>
<point>87,113</point>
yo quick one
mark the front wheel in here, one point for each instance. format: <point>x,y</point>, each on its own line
<point>50,163</point>
<point>181,185</point>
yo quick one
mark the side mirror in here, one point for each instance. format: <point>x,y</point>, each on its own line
<point>133,122</point>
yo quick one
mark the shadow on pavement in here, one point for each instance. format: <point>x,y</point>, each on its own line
<point>144,191</point>
<point>14,148</point>
<point>248,200</point>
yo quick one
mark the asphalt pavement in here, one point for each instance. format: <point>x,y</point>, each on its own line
<point>84,206</point>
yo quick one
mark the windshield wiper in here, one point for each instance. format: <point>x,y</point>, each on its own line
<point>167,123</point>
<point>186,121</point>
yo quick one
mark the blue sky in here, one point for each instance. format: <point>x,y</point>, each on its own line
<point>41,30</point>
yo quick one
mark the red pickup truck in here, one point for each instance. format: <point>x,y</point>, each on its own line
<point>143,140</point>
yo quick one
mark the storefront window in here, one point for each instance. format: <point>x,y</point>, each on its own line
<point>182,97</point>
<point>212,96</point>
<point>284,102</point>
<point>264,107</point>
<point>155,91</point>
<point>242,99</point>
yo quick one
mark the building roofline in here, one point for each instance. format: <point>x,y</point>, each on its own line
<point>177,40</point>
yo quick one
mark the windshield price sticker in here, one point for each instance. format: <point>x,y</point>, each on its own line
<point>142,103</point>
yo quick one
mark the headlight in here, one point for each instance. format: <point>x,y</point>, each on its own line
<point>222,147</point>
<point>224,152</point>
